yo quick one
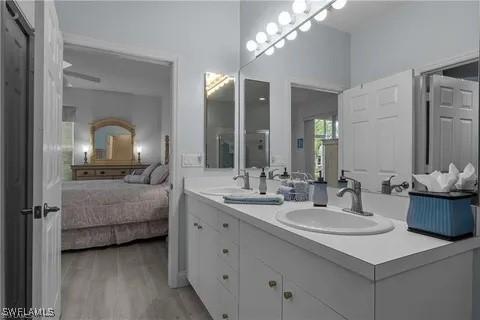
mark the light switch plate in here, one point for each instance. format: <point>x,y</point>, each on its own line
<point>192,160</point>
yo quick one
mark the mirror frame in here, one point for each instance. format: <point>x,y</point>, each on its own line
<point>110,122</point>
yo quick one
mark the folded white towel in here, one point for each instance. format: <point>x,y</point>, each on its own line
<point>467,179</point>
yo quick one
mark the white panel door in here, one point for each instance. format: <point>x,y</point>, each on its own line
<point>377,130</point>
<point>47,158</point>
<point>454,118</point>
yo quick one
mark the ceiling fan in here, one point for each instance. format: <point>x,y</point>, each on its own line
<point>77,75</point>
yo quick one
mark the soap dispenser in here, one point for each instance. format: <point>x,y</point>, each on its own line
<point>320,196</point>
<point>262,187</point>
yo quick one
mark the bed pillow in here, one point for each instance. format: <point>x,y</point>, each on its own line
<point>148,171</point>
<point>159,175</point>
<point>136,179</point>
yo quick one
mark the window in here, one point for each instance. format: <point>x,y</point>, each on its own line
<point>67,149</point>
<point>324,129</point>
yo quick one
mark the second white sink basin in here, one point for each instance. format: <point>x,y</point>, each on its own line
<point>334,221</point>
<point>225,191</point>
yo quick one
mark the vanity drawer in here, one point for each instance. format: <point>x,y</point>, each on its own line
<point>85,173</point>
<point>228,226</point>
<point>228,251</point>
<point>227,305</point>
<point>227,276</point>
<point>206,213</point>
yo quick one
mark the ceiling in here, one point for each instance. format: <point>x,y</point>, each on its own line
<point>357,12</point>
<point>117,73</point>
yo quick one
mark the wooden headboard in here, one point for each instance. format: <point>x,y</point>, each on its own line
<point>167,149</point>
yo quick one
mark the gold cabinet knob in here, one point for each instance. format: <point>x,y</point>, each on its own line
<point>224,316</point>
<point>272,284</point>
<point>225,225</point>
<point>225,277</point>
<point>287,295</point>
<point>225,251</point>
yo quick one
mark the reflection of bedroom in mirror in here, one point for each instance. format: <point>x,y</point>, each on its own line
<point>113,141</point>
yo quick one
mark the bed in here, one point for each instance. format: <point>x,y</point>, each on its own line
<point>105,212</point>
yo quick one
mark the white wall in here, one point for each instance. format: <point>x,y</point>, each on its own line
<point>204,37</point>
<point>144,112</point>
<point>316,103</point>
<point>415,34</point>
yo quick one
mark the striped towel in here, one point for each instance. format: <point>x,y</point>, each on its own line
<point>267,199</point>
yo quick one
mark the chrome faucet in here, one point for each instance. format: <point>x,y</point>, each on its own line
<point>387,186</point>
<point>246,179</point>
<point>271,174</point>
<point>356,192</point>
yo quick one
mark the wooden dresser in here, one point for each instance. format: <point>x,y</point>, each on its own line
<point>101,172</point>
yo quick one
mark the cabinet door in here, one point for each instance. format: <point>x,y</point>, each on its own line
<point>300,305</point>
<point>260,294</point>
<point>192,250</point>
<point>207,267</point>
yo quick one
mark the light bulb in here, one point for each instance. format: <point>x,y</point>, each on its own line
<point>251,45</point>
<point>284,18</point>
<point>339,4</point>
<point>292,35</point>
<point>139,149</point>
<point>322,15</point>
<point>261,37</point>
<point>300,6</point>
<point>272,28</point>
<point>280,44</point>
<point>306,26</point>
<point>85,148</point>
<point>270,51</point>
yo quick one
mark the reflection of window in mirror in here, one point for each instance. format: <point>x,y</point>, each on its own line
<point>314,115</point>
<point>219,120</point>
<point>257,124</point>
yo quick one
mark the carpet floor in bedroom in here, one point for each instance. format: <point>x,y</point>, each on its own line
<point>127,282</point>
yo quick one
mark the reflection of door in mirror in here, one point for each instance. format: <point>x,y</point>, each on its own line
<point>451,96</point>
<point>315,133</point>
<point>257,124</point>
<point>219,120</point>
<point>113,143</point>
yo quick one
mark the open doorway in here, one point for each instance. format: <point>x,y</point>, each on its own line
<point>314,121</point>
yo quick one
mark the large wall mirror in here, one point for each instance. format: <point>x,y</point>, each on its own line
<point>377,89</point>
<point>219,120</point>
<point>257,123</point>
<point>112,142</point>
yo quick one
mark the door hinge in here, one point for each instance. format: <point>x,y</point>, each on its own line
<point>171,186</point>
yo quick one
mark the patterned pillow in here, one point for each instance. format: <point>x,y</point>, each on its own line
<point>159,175</point>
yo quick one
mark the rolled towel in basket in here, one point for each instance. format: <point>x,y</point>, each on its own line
<point>269,199</point>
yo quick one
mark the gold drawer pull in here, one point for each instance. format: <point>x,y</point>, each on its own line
<point>287,295</point>
<point>224,316</point>
<point>272,284</point>
<point>225,225</point>
<point>225,277</point>
<point>225,251</point>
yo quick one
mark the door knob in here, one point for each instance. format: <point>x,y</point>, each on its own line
<point>287,295</point>
<point>26,211</point>
<point>37,212</point>
<point>47,209</point>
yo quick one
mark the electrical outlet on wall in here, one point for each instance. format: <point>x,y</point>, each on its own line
<point>192,160</point>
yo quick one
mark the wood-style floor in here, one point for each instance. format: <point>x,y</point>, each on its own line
<point>127,282</point>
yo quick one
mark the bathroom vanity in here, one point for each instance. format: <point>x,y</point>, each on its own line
<point>244,264</point>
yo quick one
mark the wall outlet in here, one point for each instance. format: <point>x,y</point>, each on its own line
<point>192,160</point>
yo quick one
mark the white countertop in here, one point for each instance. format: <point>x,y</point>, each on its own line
<point>373,256</point>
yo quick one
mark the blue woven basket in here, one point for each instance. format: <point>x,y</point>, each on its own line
<point>442,215</point>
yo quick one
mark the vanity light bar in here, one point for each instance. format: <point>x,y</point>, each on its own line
<point>215,82</point>
<point>289,23</point>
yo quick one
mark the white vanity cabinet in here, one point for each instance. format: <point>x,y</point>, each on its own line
<point>242,272</point>
<point>212,258</point>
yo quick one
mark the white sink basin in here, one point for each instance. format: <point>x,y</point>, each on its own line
<point>334,221</point>
<point>224,191</point>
